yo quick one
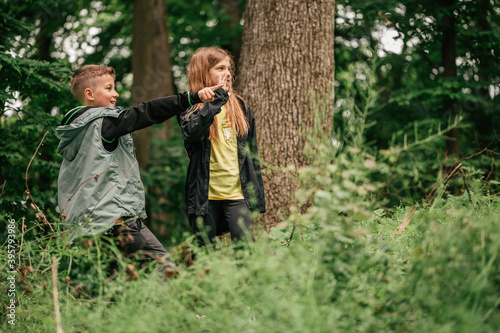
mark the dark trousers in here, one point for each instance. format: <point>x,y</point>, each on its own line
<point>133,236</point>
<point>224,216</point>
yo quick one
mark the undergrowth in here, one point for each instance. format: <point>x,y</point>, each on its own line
<point>343,261</point>
<point>441,274</point>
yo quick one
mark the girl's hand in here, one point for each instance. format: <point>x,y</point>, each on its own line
<point>207,94</point>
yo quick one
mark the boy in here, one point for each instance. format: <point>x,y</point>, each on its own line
<point>99,185</point>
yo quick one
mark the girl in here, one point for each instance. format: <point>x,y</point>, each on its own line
<point>224,182</point>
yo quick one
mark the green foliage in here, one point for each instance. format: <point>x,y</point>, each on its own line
<point>167,175</point>
<point>447,258</point>
<point>30,90</point>
<point>410,76</point>
<point>413,154</point>
<point>202,23</point>
<point>441,274</point>
<point>336,264</point>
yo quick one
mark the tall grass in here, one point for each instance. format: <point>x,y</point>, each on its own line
<point>441,274</point>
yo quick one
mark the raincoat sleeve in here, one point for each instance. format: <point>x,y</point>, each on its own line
<point>146,114</point>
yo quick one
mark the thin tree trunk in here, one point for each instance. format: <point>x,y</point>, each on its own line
<point>485,9</point>
<point>153,78</point>
<point>162,85</point>
<point>448,56</point>
<point>151,65</point>
<point>141,61</point>
<point>287,58</point>
<point>234,9</point>
<point>44,43</point>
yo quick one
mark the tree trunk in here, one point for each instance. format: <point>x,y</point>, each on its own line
<point>448,56</point>
<point>485,10</point>
<point>44,43</point>
<point>234,9</point>
<point>141,61</point>
<point>287,58</point>
<point>151,65</point>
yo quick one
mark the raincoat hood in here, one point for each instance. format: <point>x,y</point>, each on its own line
<point>72,134</point>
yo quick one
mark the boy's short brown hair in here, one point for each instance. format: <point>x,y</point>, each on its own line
<point>85,77</point>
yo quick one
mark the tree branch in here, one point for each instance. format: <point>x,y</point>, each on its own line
<point>55,293</point>
<point>40,215</point>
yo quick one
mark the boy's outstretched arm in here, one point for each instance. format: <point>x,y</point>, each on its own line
<point>153,112</point>
<point>197,126</point>
<point>208,94</point>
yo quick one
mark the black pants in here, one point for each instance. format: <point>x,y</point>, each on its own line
<point>133,236</point>
<point>224,216</point>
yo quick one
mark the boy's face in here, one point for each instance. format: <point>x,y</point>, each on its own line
<point>104,94</point>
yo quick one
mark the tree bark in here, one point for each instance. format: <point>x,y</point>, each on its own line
<point>485,10</point>
<point>287,61</point>
<point>448,56</point>
<point>234,9</point>
<point>44,43</point>
<point>151,65</point>
<point>152,69</point>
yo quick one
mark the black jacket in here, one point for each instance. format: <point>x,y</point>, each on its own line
<point>198,148</point>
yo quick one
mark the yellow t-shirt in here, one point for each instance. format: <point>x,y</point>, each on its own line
<point>224,181</point>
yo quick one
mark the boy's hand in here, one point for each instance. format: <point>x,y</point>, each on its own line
<point>207,94</point>
<point>226,80</point>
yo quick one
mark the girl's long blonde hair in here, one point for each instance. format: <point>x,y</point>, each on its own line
<point>199,66</point>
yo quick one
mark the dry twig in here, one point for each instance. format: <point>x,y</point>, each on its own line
<point>40,215</point>
<point>3,187</point>
<point>433,193</point>
<point>429,199</point>
<point>22,239</point>
<point>406,220</point>
<point>55,293</point>
<point>466,186</point>
<point>41,260</point>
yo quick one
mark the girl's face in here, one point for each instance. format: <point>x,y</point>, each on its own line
<point>220,71</point>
